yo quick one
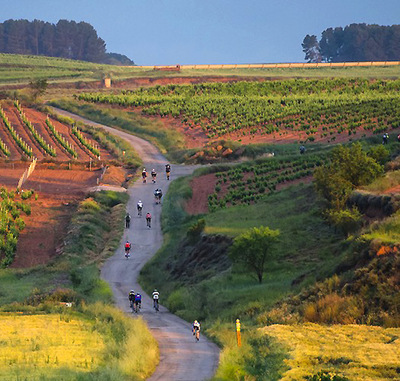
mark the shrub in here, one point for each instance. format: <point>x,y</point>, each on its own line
<point>348,220</point>
<point>334,309</point>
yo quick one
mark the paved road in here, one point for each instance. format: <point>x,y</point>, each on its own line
<point>181,358</point>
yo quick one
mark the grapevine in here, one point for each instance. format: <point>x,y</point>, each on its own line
<point>39,138</point>
<point>21,143</point>
<point>85,142</point>
<point>67,146</point>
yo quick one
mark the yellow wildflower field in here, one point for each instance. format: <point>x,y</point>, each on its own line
<point>41,343</point>
<point>359,352</point>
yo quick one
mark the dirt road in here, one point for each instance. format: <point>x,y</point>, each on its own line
<point>181,358</point>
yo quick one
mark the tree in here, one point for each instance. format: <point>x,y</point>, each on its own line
<point>358,42</point>
<point>350,167</point>
<point>311,48</point>
<point>66,39</point>
<point>332,187</point>
<point>253,248</point>
<point>38,87</point>
<point>354,165</point>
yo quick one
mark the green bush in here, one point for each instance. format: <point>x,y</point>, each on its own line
<point>348,220</point>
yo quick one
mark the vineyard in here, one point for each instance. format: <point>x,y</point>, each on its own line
<point>251,182</point>
<point>11,222</point>
<point>26,133</point>
<point>302,110</point>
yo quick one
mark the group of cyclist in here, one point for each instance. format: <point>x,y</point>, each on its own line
<point>135,299</point>
<point>154,174</point>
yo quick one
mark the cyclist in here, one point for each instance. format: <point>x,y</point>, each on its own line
<point>131,298</point>
<point>196,329</point>
<point>158,195</point>
<point>127,249</point>
<point>167,170</point>
<point>156,296</point>
<point>127,220</point>
<point>138,302</point>
<point>144,175</point>
<point>385,138</point>
<point>148,219</point>
<point>153,175</point>
<point>139,207</point>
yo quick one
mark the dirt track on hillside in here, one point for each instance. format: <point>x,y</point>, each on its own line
<point>180,357</point>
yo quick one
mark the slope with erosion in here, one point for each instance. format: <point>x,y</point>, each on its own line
<point>318,275</point>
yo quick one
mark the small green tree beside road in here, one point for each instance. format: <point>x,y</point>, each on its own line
<point>253,248</point>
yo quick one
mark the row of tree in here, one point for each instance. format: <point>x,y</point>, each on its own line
<point>356,42</point>
<point>66,39</point>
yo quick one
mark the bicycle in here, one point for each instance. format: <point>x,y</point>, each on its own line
<point>148,222</point>
<point>139,211</point>
<point>155,305</point>
<point>137,307</point>
<point>127,254</point>
<point>196,335</point>
<point>132,307</point>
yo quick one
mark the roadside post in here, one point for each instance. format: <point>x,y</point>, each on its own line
<point>239,338</point>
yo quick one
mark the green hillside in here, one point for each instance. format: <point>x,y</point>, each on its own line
<point>20,69</point>
<point>319,273</point>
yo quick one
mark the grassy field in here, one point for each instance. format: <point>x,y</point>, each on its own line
<point>31,343</point>
<point>13,70</point>
<point>94,343</point>
<point>356,352</point>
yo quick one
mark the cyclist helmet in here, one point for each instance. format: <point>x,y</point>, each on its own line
<point>155,290</point>
<point>195,322</point>
<point>153,170</point>
<point>131,292</point>
<point>140,201</point>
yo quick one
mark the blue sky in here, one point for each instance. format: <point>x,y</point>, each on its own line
<point>167,32</point>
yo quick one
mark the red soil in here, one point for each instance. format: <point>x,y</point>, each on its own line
<point>393,190</point>
<point>202,186</point>
<point>59,191</point>
<point>38,120</point>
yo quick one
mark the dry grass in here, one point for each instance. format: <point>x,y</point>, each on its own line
<point>43,342</point>
<point>358,352</point>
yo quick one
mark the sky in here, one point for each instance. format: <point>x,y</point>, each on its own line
<point>169,32</point>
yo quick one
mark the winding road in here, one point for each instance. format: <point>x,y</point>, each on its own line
<point>181,358</point>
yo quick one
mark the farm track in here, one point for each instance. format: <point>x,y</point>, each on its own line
<point>181,358</point>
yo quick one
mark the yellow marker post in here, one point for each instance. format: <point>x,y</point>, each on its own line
<point>239,338</point>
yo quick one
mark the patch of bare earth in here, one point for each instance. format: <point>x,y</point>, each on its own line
<point>202,186</point>
<point>393,190</point>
